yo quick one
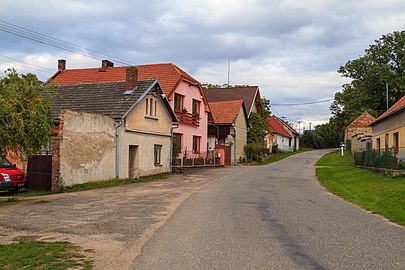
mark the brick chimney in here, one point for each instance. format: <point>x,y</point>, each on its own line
<point>61,64</point>
<point>131,77</point>
<point>106,64</point>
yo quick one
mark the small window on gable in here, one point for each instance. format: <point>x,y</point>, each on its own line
<point>147,106</point>
<point>155,112</point>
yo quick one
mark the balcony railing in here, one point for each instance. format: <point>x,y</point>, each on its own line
<point>188,118</point>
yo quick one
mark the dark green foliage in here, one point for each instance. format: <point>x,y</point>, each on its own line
<point>266,107</point>
<point>259,127</point>
<point>25,116</point>
<point>323,136</point>
<point>253,150</point>
<point>382,63</point>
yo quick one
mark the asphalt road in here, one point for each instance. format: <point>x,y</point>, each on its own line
<point>272,217</point>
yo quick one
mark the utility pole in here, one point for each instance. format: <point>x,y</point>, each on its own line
<point>299,126</point>
<point>386,90</point>
<point>310,126</point>
<point>229,71</point>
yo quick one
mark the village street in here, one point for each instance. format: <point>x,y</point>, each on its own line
<point>243,217</point>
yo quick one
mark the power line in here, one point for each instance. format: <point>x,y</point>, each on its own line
<point>56,43</point>
<point>24,64</point>
<point>303,103</point>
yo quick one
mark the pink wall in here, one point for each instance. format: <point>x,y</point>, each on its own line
<point>191,92</point>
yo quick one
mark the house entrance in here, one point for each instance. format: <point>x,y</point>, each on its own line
<point>133,162</point>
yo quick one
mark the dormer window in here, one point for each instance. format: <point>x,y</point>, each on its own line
<point>178,102</point>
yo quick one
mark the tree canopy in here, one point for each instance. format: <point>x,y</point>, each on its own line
<point>25,114</point>
<point>383,63</point>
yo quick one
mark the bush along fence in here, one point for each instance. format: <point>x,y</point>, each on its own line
<point>388,158</point>
<point>194,159</point>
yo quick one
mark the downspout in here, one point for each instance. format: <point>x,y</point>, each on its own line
<point>117,148</point>
<point>171,145</point>
<point>234,144</point>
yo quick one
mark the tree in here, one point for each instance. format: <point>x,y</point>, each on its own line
<point>383,62</point>
<point>25,114</point>
<point>266,107</point>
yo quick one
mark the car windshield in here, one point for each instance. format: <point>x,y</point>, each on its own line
<point>4,163</point>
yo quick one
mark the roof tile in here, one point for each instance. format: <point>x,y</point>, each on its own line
<point>277,127</point>
<point>225,112</point>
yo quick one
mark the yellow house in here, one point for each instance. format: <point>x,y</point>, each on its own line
<point>388,130</point>
<point>111,130</point>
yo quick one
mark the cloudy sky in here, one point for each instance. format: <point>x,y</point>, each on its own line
<point>290,49</point>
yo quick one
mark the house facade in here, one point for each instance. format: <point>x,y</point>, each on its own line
<point>111,130</point>
<point>359,132</point>
<point>295,142</point>
<point>282,138</point>
<point>228,128</point>
<point>183,92</point>
<point>388,130</point>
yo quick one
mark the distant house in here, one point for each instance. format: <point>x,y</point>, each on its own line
<point>109,129</point>
<point>184,93</point>
<point>295,142</point>
<point>388,130</point>
<point>282,138</point>
<point>228,128</point>
<point>358,133</point>
<point>249,94</point>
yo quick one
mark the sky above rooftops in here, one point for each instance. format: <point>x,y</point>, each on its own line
<point>290,49</point>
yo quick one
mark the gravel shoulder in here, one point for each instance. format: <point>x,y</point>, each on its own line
<point>113,222</point>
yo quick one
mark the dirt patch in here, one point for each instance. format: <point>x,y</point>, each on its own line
<point>114,222</point>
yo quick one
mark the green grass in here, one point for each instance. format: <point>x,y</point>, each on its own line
<point>110,183</point>
<point>377,193</point>
<point>333,159</point>
<point>282,155</point>
<point>43,255</point>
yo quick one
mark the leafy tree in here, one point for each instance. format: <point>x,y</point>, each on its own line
<point>259,127</point>
<point>266,107</point>
<point>383,62</point>
<point>25,115</point>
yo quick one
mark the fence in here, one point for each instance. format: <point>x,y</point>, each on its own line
<point>190,158</point>
<point>389,158</point>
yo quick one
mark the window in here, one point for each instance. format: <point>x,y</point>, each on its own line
<point>178,102</point>
<point>196,144</point>
<point>147,106</point>
<point>151,107</point>
<point>196,107</point>
<point>396,142</point>
<point>177,139</point>
<point>158,154</point>
<point>154,113</point>
<point>386,142</point>
<point>378,145</point>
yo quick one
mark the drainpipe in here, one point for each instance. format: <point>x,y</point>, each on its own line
<point>117,148</point>
<point>234,144</point>
<point>171,145</point>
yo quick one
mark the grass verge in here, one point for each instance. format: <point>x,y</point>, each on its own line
<point>282,155</point>
<point>377,193</point>
<point>43,255</point>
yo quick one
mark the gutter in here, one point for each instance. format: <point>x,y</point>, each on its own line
<point>117,148</point>
<point>171,145</point>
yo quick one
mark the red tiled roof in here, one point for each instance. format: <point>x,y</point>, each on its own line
<point>168,75</point>
<point>245,93</point>
<point>225,112</point>
<point>399,105</point>
<point>277,127</point>
<point>364,120</point>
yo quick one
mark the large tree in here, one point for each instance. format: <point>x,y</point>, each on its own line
<point>25,114</point>
<point>383,63</point>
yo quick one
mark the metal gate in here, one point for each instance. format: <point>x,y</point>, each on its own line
<point>39,173</point>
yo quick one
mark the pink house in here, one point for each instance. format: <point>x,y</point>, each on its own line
<point>184,93</point>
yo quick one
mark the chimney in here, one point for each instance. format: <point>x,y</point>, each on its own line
<point>106,64</point>
<point>61,64</point>
<point>131,77</point>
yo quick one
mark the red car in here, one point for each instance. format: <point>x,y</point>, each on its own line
<point>11,178</point>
